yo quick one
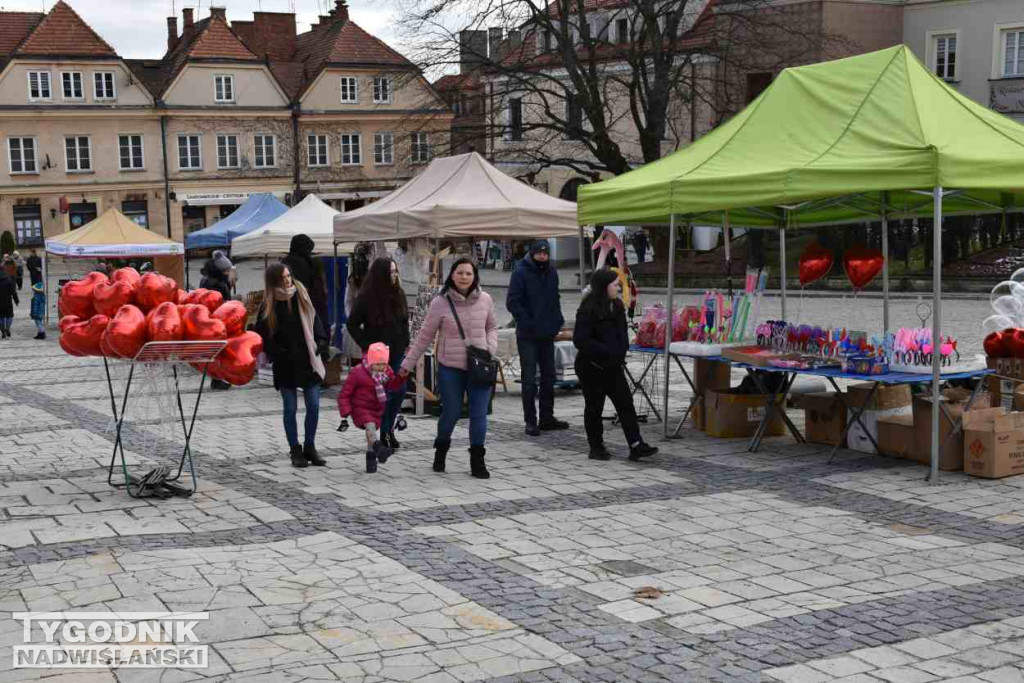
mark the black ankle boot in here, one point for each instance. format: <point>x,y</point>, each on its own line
<point>371,462</point>
<point>313,456</point>
<point>476,462</point>
<point>441,447</point>
<point>298,457</point>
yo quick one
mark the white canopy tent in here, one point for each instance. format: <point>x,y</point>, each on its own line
<point>311,217</point>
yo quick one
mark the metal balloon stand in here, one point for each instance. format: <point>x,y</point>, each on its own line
<point>158,482</point>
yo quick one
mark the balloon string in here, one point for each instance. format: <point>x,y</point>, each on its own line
<point>800,306</point>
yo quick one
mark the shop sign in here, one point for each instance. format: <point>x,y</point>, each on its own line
<point>1007,97</point>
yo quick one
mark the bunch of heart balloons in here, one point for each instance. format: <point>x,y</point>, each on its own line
<point>116,316</point>
<point>1004,329</point>
<point>861,265</point>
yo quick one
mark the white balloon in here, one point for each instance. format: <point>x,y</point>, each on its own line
<point>1010,306</point>
<point>996,323</point>
<point>1007,288</point>
<point>1018,275</point>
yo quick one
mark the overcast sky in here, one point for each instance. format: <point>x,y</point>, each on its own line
<point>138,28</point>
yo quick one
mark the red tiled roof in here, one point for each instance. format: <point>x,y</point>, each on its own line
<point>290,75</point>
<point>63,33</point>
<point>344,42</point>
<point>218,41</point>
<point>449,82</point>
<point>14,26</point>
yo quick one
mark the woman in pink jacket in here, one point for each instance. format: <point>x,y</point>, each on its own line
<point>475,309</point>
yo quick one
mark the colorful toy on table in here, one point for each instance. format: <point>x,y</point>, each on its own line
<point>913,350</point>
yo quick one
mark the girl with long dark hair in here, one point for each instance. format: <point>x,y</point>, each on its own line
<point>602,338</point>
<point>475,310</point>
<point>381,314</point>
<point>294,338</point>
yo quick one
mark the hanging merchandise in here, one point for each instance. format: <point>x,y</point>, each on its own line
<point>610,242</point>
<point>815,263</point>
<point>862,265</point>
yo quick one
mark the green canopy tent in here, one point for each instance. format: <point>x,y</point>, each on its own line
<point>871,137</point>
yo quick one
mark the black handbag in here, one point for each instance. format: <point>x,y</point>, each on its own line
<point>481,366</point>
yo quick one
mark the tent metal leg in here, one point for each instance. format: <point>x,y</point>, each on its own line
<point>334,294</point>
<point>582,264</point>
<point>782,264</point>
<point>668,307</point>
<point>188,285</point>
<point>933,475</point>
<point>885,266</point>
<point>46,288</point>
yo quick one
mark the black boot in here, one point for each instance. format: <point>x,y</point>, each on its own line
<point>312,456</point>
<point>550,424</point>
<point>642,450</point>
<point>599,453</point>
<point>441,447</point>
<point>390,441</point>
<point>298,458</point>
<point>476,462</point>
<point>371,462</point>
<point>381,451</point>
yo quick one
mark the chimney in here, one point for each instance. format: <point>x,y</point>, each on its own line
<point>218,12</point>
<point>186,18</point>
<point>472,49</point>
<point>494,42</point>
<point>172,33</point>
<point>340,10</point>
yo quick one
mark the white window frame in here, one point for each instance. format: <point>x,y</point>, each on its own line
<point>256,146</point>
<point>354,151</point>
<point>229,81</point>
<point>131,158</point>
<point>414,158</point>
<point>999,32</point>
<point>509,133</point>
<point>238,152</point>
<point>97,77</point>
<point>355,89</point>
<point>78,155</point>
<point>378,83</point>
<point>326,147</point>
<point>199,155</point>
<point>1004,36</point>
<point>932,38</point>
<point>39,82</point>
<point>379,149</point>
<point>81,86</point>
<point>35,155</point>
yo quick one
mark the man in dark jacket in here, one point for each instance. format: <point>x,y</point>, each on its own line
<point>35,267</point>
<point>216,274</point>
<point>534,302</point>
<point>307,269</point>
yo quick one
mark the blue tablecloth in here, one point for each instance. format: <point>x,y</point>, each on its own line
<point>888,378</point>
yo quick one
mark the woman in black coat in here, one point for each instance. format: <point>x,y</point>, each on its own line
<point>294,338</point>
<point>602,338</point>
<point>381,314</point>
<point>8,299</point>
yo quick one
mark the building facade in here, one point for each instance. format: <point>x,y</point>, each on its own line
<point>977,46</point>
<point>177,143</point>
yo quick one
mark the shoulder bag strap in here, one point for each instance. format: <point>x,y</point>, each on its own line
<point>455,315</point>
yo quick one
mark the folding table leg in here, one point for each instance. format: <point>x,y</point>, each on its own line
<point>187,428</point>
<point>693,401</point>
<point>638,385</point>
<point>857,412</point>
<point>119,443</point>
<point>769,412</point>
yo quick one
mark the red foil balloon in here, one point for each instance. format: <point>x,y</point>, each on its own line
<point>67,321</point>
<point>83,338</point>
<point>129,275</point>
<point>109,298</point>
<point>234,315</point>
<point>1014,342</point>
<point>236,364</point>
<point>862,265</point>
<point>182,295</point>
<point>995,344</point>
<point>194,296</point>
<point>126,333</point>
<point>164,324</point>
<point>815,263</point>
<point>155,289</point>
<point>199,326</point>
<point>76,297</point>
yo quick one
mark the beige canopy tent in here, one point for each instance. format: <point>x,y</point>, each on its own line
<point>310,217</point>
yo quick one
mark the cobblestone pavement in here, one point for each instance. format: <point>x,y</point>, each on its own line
<point>704,563</point>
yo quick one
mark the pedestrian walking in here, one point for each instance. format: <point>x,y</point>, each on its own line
<point>640,245</point>
<point>19,269</point>
<point>364,397</point>
<point>534,302</point>
<point>602,338</point>
<point>8,299</point>
<point>381,314</point>
<point>294,338</point>
<point>35,267</point>
<point>359,267</point>
<point>216,274</point>
<point>307,269</point>
<point>462,315</point>
<point>37,310</point>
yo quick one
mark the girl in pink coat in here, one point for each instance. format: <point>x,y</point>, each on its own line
<point>364,398</point>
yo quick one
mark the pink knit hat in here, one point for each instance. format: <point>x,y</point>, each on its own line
<point>377,353</point>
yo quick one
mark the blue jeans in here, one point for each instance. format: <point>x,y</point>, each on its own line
<point>311,397</point>
<point>453,385</point>
<point>394,403</point>
<point>6,323</point>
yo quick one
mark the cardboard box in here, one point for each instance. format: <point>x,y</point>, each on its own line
<point>955,400</point>
<point>886,397</point>
<point>751,355</point>
<point>887,402</point>
<point>1018,397</point>
<point>824,417</point>
<point>731,415</point>
<point>707,374</point>
<point>896,435</point>
<point>993,443</point>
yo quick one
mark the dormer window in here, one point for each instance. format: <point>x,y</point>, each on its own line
<point>71,85</point>
<point>381,90</point>
<point>103,85</point>
<point>224,89</point>
<point>349,90</point>
<point>39,86</point>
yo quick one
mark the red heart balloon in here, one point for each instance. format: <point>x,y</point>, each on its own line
<point>212,300</point>
<point>76,297</point>
<point>155,289</point>
<point>182,295</point>
<point>129,275</point>
<point>109,298</point>
<point>234,315</point>
<point>994,345</point>
<point>199,326</point>
<point>862,265</point>
<point>126,333</point>
<point>163,323</point>
<point>83,338</point>
<point>815,263</point>
<point>236,364</point>
<point>67,321</point>
<point>1014,343</point>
